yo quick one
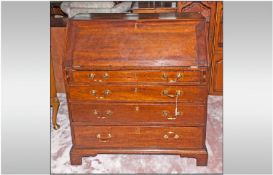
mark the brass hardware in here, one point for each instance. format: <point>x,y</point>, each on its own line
<point>105,93</point>
<point>171,134</point>
<point>101,115</point>
<point>135,90</point>
<point>104,139</point>
<point>106,75</point>
<point>137,108</point>
<point>166,93</point>
<point>95,112</point>
<point>109,112</point>
<point>178,76</point>
<point>91,76</point>
<point>166,114</point>
<point>93,92</point>
<point>165,76</point>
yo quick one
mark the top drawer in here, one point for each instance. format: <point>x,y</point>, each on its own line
<point>141,76</point>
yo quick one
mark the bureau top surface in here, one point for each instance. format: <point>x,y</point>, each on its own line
<point>139,16</point>
<point>137,40</point>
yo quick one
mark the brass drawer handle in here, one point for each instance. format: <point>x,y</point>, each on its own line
<point>93,92</point>
<point>105,93</point>
<point>166,93</point>
<point>107,114</point>
<point>178,76</point>
<point>166,114</point>
<point>105,75</point>
<point>104,139</point>
<point>170,135</point>
<point>92,77</point>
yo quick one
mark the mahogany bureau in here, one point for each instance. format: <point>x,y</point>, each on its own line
<point>137,84</point>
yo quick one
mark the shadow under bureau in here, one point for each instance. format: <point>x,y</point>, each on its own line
<point>137,84</point>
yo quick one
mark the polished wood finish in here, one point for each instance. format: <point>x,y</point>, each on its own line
<point>57,51</point>
<point>140,76</point>
<point>213,12</point>
<point>208,10</point>
<point>147,42</point>
<point>54,102</point>
<point>138,137</point>
<point>137,84</point>
<point>216,86</point>
<point>216,82</point>
<point>138,93</point>
<point>92,113</point>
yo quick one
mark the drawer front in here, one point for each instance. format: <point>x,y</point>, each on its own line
<point>135,76</point>
<point>138,114</point>
<point>138,137</point>
<point>139,93</point>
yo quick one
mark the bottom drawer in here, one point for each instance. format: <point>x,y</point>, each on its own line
<point>138,137</point>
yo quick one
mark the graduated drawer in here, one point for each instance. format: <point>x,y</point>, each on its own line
<point>138,137</point>
<point>138,114</point>
<point>136,76</point>
<point>142,93</point>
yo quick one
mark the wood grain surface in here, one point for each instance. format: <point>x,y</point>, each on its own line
<point>138,137</point>
<point>139,93</point>
<point>137,83</point>
<point>138,114</point>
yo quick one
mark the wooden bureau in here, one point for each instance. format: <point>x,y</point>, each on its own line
<point>137,84</point>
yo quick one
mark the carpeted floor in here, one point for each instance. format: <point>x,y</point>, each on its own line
<point>123,163</point>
